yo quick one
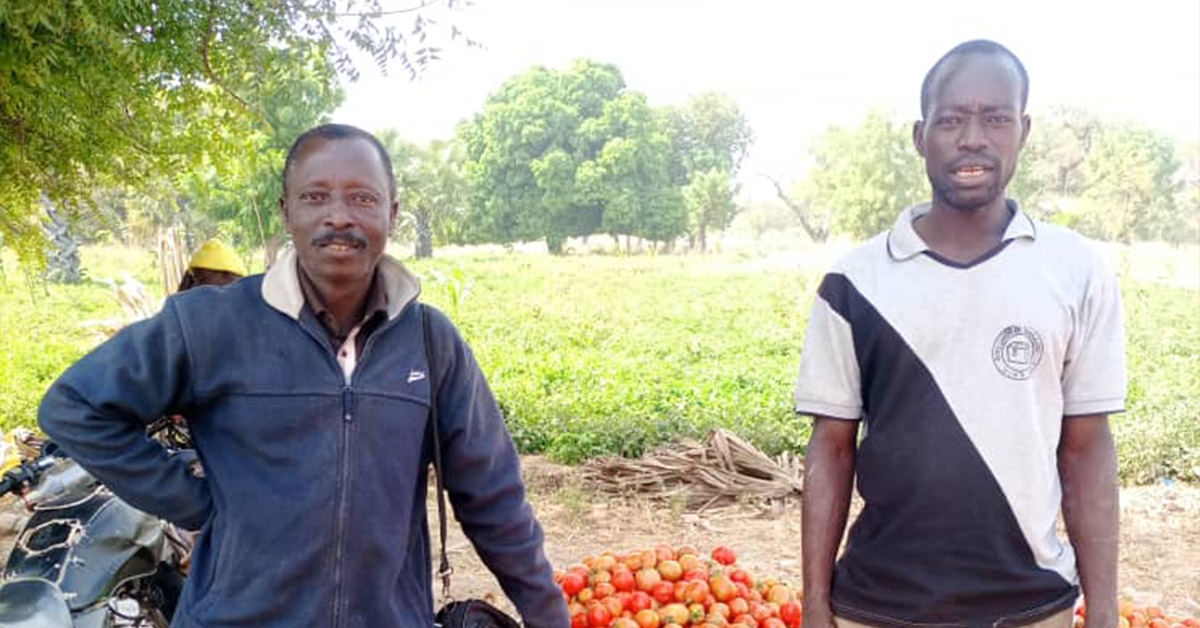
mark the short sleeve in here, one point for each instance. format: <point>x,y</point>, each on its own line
<point>829,382</point>
<point>1094,376</point>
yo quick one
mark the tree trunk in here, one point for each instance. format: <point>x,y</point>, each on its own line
<point>62,263</point>
<point>817,232</point>
<point>424,247</point>
<point>703,237</point>
<point>271,249</point>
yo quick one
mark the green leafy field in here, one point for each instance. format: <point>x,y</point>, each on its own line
<point>597,355</point>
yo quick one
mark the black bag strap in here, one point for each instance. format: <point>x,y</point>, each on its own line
<point>444,568</point>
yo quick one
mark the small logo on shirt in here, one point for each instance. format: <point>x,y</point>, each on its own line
<point>415,376</point>
<point>1017,351</point>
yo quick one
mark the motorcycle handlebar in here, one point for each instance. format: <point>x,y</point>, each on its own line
<point>24,475</point>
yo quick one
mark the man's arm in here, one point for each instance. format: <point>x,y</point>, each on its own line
<point>483,478</point>
<point>1087,467</point>
<point>98,409</point>
<point>828,482</point>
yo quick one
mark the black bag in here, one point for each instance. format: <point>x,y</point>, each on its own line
<point>470,613</point>
<point>473,614</point>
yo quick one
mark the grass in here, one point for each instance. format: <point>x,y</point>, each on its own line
<point>594,355</point>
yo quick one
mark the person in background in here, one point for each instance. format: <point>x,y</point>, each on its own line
<point>213,264</point>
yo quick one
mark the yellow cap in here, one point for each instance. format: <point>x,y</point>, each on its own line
<point>214,255</point>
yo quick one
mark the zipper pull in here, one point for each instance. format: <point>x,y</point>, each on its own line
<point>347,404</point>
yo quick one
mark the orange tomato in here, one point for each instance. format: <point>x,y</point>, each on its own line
<point>779,594</point>
<point>647,579</point>
<point>647,619</point>
<point>673,614</point>
<point>722,588</point>
<point>670,570</point>
<point>696,592</point>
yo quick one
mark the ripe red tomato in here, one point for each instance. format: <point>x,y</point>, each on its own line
<point>623,580</point>
<point>773,622</point>
<point>696,574</point>
<point>599,616</point>
<point>573,583</point>
<point>742,576</point>
<point>664,593</point>
<point>724,555</point>
<point>640,601</point>
<point>791,614</point>
<point>603,590</point>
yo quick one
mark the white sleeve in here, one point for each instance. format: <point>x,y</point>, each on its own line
<point>1094,378</point>
<point>829,382</point>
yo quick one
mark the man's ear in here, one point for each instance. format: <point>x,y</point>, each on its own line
<point>1025,122</point>
<point>919,137</point>
<point>393,213</point>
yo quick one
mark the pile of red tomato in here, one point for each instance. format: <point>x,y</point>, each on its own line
<point>670,587</point>
<point>1131,616</point>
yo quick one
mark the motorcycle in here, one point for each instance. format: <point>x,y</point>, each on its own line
<point>85,558</point>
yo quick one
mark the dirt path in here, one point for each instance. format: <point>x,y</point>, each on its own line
<point>1160,536</point>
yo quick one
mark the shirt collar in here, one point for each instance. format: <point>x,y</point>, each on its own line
<point>281,285</point>
<point>904,243</point>
<point>376,302</point>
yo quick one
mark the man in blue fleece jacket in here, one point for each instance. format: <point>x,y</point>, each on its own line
<point>308,392</point>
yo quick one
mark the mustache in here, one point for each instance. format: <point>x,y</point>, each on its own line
<point>339,237</point>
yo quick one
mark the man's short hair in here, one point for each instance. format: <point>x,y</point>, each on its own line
<point>973,47</point>
<point>338,132</point>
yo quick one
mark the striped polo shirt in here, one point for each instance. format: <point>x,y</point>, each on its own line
<point>962,375</point>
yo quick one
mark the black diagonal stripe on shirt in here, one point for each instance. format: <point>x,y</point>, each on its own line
<point>937,542</point>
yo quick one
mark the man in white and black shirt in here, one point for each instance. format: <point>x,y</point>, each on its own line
<point>982,351</point>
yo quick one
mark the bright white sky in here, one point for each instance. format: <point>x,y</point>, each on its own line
<point>796,67</point>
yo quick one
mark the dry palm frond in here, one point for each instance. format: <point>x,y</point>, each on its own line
<point>717,472</point>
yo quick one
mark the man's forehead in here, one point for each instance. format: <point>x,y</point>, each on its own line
<point>320,147</point>
<point>991,78</point>
<point>322,157</point>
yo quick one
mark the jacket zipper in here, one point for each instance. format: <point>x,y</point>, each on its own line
<point>343,478</point>
<point>344,459</point>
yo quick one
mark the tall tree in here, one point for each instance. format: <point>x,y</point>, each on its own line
<point>1132,186</point>
<point>630,177</point>
<point>1051,171</point>
<point>556,154</point>
<point>708,131</point>
<point>96,92</point>
<point>431,190</point>
<point>709,134</point>
<point>864,176</point>
<point>710,199</point>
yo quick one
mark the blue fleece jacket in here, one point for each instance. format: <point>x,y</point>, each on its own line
<point>312,512</point>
